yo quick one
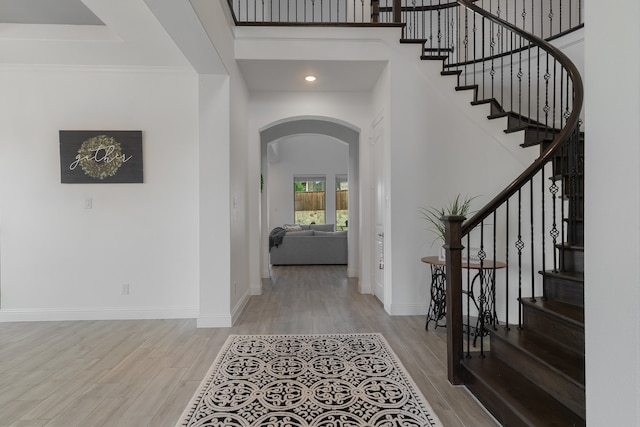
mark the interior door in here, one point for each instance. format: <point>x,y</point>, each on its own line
<point>378,211</point>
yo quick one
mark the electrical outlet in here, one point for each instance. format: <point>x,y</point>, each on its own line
<point>125,289</point>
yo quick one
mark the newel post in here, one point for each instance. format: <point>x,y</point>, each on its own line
<point>375,10</point>
<point>453,250</point>
<point>397,11</point>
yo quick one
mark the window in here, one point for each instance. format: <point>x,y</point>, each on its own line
<point>342,202</point>
<point>309,203</point>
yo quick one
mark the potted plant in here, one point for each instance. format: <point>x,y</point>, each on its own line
<point>459,206</point>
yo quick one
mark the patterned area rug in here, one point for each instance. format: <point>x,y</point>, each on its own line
<point>339,380</point>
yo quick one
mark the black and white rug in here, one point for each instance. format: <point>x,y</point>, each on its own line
<point>337,380</point>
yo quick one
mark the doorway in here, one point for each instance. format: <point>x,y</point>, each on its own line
<point>321,127</point>
<point>378,198</point>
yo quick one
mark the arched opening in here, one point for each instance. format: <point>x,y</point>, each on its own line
<point>320,130</point>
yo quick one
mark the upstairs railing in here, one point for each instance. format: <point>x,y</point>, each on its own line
<point>303,12</point>
<point>544,18</point>
<point>430,19</point>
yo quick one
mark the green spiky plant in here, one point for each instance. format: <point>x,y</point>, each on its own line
<point>459,206</point>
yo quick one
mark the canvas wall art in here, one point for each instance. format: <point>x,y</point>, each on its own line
<point>100,156</point>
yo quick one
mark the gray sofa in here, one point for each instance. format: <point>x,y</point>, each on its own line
<point>314,244</point>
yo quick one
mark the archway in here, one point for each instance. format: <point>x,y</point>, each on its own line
<point>332,128</point>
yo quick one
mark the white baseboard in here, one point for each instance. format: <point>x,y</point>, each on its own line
<point>364,287</point>
<point>214,321</point>
<point>66,314</point>
<point>408,309</point>
<point>237,310</point>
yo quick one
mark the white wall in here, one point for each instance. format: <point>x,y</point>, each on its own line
<point>173,239</point>
<point>225,206</point>
<point>59,260</point>
<point>612,212</point>
<point>439,146</point>
<point>318,155</point>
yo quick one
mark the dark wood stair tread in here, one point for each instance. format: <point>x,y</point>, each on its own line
<point>497,116</point>
<point>574,276</point>
<point>571,313</point>
<point>414,41</point>
<point>562,360</point>
<point>438,49</point>
<point>467,87</point>
<point>530,404</point>
<point>484,101</point>
<point>436,57</point>
<point>571,246</point>
<point>515,129</point>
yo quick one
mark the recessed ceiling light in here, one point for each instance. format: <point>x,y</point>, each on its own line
<point>310,78</point>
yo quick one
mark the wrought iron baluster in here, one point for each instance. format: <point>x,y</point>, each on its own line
<point>563,193</point>
<point>506,261</point>
<point>494,314</point>
<point>502,50</point>
<point>439,30</point>
<point>554,233</point>
<point>546,107</point>
<point>423,33</point>
<point>512,47</point>
<point>519,247</point>
<point>543,229</point>
<point>520,75</point>
<point>474,48</point>
<point>542,20</point>
<point>484,66</point>
<point>482,299</point>
<point>555,93</point>
<point>492,71</point>
<point>452,39</point>
<point>551,19</point>
<point>579,11</point>
<point>529,115</point>
<point>469,299</point>
<point>533,252</point>
<point>538,91</point>
<point>466,44</point>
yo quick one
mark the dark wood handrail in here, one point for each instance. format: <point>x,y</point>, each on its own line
<point>570,125</point>
<point>423,8</point>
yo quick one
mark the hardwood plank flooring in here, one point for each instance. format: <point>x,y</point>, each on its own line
<point>144,372</point>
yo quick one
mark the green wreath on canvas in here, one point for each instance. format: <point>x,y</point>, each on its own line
<point>100,157</point>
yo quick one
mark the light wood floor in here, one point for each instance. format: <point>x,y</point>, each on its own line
<point>143,373</point>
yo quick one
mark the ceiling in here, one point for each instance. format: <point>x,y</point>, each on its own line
<point>332,76</point>
<point>59,12</point>
<point>146,41</point>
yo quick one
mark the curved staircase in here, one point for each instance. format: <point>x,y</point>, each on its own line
<point>530,372</point>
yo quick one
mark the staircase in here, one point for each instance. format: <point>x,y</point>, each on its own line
<point>534,372</point>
